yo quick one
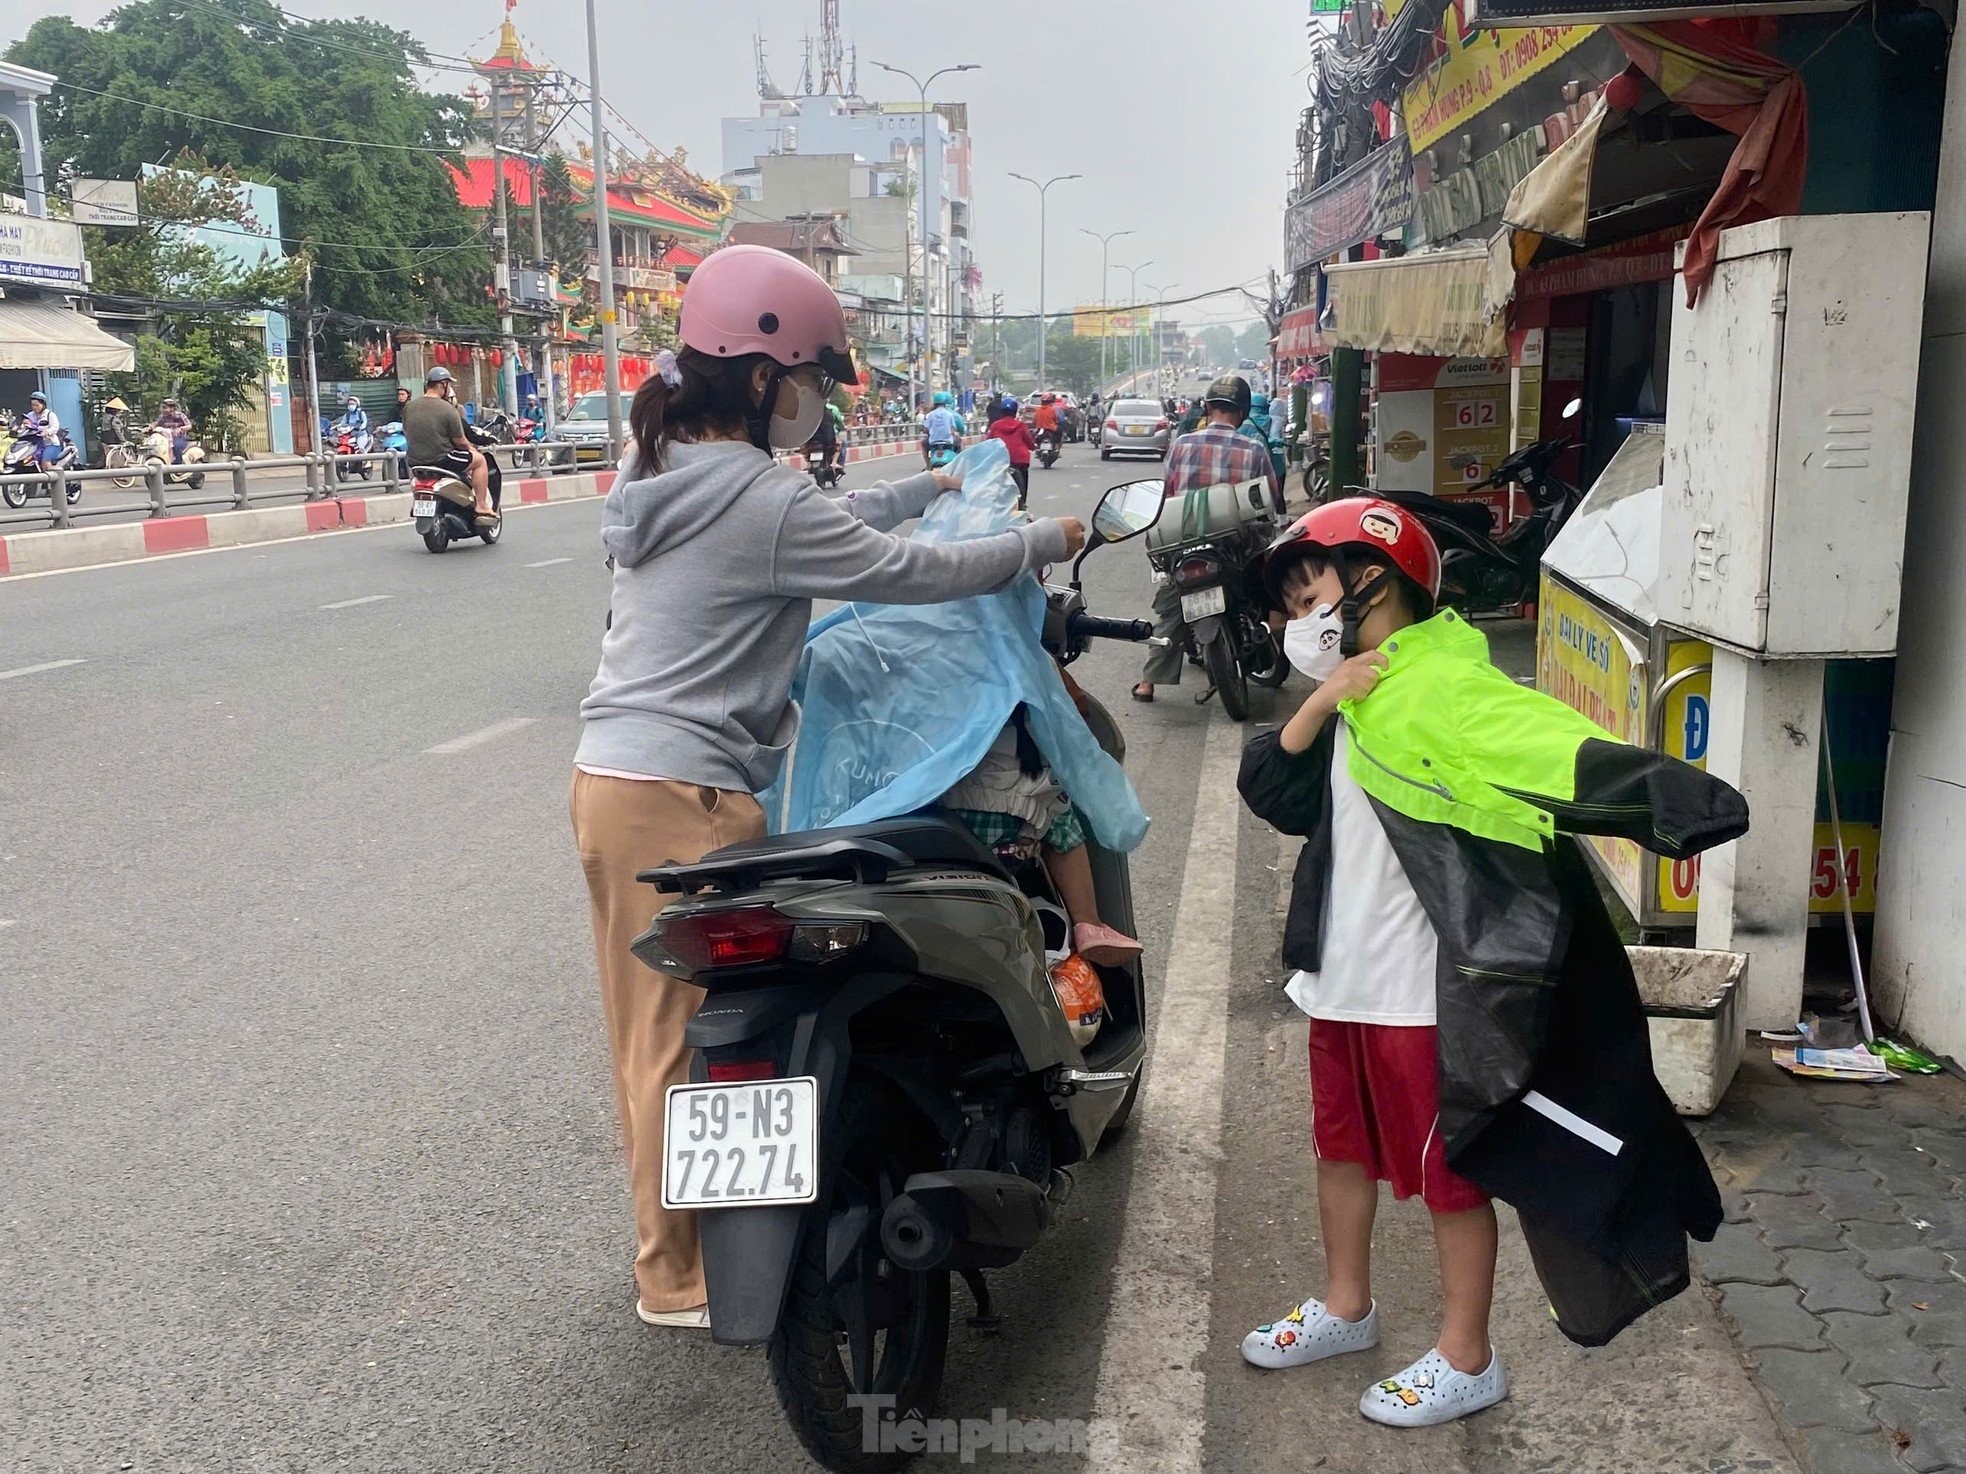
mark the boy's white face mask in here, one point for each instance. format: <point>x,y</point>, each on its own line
<point>1312,643</point>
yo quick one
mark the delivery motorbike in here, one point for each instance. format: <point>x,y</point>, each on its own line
<point>885,1091</point>
<point>23,459</point>
<point>1205,547</point>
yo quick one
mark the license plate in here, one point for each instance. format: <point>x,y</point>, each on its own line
<point>1204,602</point>
<point>1134,429</point>
<point>424,506</point>
<point>741,1146</point>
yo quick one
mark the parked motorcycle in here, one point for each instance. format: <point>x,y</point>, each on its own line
<point>22,458</point>
<point>1205,546</point>
<point>1485,571</point>
<point>351,442</point>
<point>886,1091</point>
<point>156,451</point>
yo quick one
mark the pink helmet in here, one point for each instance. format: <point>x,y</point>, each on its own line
<point>752,299</point>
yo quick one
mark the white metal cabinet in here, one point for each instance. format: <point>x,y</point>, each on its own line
<point>1788,436</point>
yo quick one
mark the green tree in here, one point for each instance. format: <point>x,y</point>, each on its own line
<point>1071,362</point>
<point>569,239</point>
<point>388,236</point>
<point>209,352</point>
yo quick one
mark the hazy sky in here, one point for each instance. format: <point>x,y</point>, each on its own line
<point>1180,117</point>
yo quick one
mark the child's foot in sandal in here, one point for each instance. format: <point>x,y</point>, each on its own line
<point>1431,1391</point>
<point>1100,944</point>
<point>1309,1333</point>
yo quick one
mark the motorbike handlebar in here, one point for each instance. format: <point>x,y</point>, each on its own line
<point>1094,627</point>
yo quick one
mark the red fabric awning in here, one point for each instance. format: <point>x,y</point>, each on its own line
<point>1299,336</point>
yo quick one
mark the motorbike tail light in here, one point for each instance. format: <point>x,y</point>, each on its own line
<point>735,1071</point>
<point>1194,570</point>
<point>743,936</point>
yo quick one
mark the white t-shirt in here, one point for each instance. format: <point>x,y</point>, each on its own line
<point>1379,947</point>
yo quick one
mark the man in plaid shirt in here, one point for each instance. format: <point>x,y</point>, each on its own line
<point>1216,454</point>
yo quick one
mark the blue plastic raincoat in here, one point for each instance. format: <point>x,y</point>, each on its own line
<point>900,703</point>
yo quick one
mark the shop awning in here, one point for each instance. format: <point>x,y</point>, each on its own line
<point>1299,337</point>
<point>41,335</point>
<point>1428,303</point>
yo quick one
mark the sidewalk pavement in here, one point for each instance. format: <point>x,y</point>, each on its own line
<point>1842,1263</point>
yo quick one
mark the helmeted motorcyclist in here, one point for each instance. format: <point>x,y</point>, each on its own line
<point>175,424</point>
<point>355,420</point>
<point>40,422</point>
<point>940,427</point>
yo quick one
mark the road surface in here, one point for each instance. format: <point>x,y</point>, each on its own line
<point>309,1158</point>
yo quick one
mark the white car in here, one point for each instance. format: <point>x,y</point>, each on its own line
<point>585,427</point>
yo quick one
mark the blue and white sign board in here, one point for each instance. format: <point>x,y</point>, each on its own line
<point>44,252</point>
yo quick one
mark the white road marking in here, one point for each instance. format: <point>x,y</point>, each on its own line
<point>1148,1405</point>
<point>480,737</point>
<point>548,562</point>
<point>365,599</point>
<point>35,670</point>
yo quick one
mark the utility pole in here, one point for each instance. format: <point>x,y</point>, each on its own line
<point>508,374</point>
<point>921,205</point>
<point>604,239</point>
<point>996,344</point>
<point>545,360</point>
<point>313,373</point>
<point>1104,299</point>
<point>1044,190</point>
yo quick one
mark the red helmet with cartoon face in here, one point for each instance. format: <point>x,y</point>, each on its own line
<point>1366,520</point>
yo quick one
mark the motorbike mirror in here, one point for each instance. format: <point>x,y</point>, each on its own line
<point>1128,510</point>
<point>1571,409</point>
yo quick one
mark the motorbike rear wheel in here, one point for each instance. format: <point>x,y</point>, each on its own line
<point>436,539</point>
<point>73,491</point>
<point>873,1328</point>
<point>196,480</point>
<point>14,496</point>
<point>1218,657</point>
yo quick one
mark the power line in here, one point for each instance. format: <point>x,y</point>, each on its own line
<point>247,23</point>
<point>158,107</point>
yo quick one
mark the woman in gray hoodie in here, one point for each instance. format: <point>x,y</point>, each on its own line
<point>718,554</point>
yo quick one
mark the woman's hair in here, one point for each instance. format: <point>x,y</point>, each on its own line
<point>1362,561</point>
<point>710,399</point>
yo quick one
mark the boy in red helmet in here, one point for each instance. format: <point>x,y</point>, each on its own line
<point>1475,1030</point>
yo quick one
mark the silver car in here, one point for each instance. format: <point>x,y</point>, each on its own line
<point>586,427</point>
<point>1134,427</point>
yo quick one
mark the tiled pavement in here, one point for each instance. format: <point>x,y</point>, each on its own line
<point>1842,1263</point>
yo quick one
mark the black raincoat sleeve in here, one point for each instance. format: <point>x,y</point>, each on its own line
<point>1289,791</point>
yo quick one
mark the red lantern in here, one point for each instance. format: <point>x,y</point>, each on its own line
<point>498,358</point>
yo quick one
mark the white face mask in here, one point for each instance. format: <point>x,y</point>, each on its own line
<point>1312,643</point>
<point>792,434</point>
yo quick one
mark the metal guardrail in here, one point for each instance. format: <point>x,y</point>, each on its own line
<point>169,488</point>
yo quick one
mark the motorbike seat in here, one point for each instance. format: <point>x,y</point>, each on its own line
<point>865,851</point>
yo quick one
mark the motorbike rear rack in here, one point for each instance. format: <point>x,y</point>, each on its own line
<point>867,854</point>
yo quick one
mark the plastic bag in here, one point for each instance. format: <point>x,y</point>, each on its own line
<point>900,703</point>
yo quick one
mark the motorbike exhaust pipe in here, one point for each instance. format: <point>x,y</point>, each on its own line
<point>916,1237</point>
<point>963,1218</point>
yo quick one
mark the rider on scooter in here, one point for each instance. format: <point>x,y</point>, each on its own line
<point>176,424</point>
<point>40,422</point>
<point>355,420</point>
<point>939,428</point>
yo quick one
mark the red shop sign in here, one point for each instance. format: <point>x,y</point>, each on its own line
<point>1642,259</point>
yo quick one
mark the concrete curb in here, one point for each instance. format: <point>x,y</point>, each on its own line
<point>85,547</point>
<point>124,542</point>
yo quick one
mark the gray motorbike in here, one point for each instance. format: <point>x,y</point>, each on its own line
<point>886,1092</point>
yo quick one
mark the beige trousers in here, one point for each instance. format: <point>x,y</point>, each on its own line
<point>622,826</point>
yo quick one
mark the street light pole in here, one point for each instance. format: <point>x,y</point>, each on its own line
<point>604,241</point>
<point>1043,190</point>
<point>1132,299</point>
<point>1154,350</point>
<point>921,207</point>
<point>1104,300</point>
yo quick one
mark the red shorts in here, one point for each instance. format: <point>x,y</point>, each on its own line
<point>1375,1100</point>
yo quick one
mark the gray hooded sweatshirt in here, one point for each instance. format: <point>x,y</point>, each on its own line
<point>717,560</point>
